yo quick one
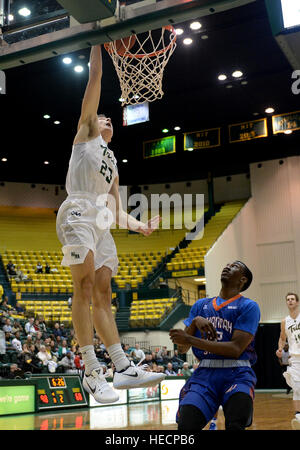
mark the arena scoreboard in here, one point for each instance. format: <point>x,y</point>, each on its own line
<point>60,391</point>
<point>47,392</point>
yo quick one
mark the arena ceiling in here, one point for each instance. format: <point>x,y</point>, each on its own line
<point>194,99</point>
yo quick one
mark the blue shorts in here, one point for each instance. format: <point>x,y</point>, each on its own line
<point>209,388</point>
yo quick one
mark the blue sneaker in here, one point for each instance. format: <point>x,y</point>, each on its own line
<point>213,425</point>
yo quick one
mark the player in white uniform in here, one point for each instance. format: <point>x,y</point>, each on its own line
<point>290,331</point>
<point>89,250</point>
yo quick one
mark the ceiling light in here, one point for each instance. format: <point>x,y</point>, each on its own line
<point>179,31</point>
<point>4,159</point>
<point>222,77</point>
<point>46,162</point>
<point>244,82</point>
<point>229,86</point>
<point>288,131</point>
<point>46,116</point>
<point>269,110</point>
<point>187,41</point>
<point>204,36</point>
<point>237,74</point>
<point>195,26</point>
<point>190,149</point>
<point>67,60</point>
<point>176,128</point>
<point>124,160</point>
<point>165,130</point>
<point>78,69</point>
<point>57,122</point>
<point>10,17</point>
<point>121,99</point>
<point>25,12</point>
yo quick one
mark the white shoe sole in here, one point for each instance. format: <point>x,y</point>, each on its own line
<point>111,400</point>
<point>139,384</point>
<point>295,424</point>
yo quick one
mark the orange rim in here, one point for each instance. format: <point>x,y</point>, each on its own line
<point>142,55</point>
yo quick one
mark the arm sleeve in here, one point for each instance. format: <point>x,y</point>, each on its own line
<point>194,312</point>
<point>249,318</point>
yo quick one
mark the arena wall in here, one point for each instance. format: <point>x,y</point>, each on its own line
<point>266,236</point>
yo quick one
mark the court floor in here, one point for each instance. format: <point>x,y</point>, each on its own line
<point>272,411</point>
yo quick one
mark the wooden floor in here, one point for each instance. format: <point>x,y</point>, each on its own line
<point>272,411</point>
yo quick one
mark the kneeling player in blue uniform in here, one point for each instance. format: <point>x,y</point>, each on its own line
<point>221,333</point>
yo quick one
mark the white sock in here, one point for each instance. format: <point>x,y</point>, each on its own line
<point>89,358</point>
<point>118,357</point>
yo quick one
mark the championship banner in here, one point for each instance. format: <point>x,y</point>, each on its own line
<point>202,139</point>
<point>247,131</point>
<point>282,123</point>
<point>159,147</point>
<point>185,273</point>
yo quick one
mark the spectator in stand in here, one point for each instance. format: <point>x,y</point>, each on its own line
<point>185,371</point>
<point>28,361</point>
<point>78,361</point>
<point>11,269</point>
<point>106,358</point>
<point>19,308</point>
<point>169,370</point>
<point>7,328</point>
<point>16,342</point>
<point>2,343</point>
<point>43,326</point>
<point>137,354</point>
<point>68,363</point>
<point>8,341</point>
<point>54,348</point>
<point>36,325</point>
<point>15,372</point>
<point>1,292</point>
<point>29,327</point>
<point>20,276</point>
<point>57,331</point>
<point>70,302</point>
<point>63,349</point>
<point>147,360</point>
<point>39,268</point>
<point>5,306</point>
<point>162,356</point>
<point>154,357</point>
<point>47,359</point>
<point>160,369</point>
<point>47,268</point>
<point>127,351</point>
<point>176,361</point>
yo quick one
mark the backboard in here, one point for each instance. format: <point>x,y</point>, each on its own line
<point>34,30</point>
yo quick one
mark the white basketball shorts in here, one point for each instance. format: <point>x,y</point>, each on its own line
<point>78,232</point>
<point>292,376</point>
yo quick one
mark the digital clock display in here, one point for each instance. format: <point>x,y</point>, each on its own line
<point>60,392</point>
<point>57,382</point>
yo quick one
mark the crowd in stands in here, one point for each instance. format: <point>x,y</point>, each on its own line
<point>29,345</point>
<point>14,272</point>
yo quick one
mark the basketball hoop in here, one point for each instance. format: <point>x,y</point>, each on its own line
<point>140,61</point>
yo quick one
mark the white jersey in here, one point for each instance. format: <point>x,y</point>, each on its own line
<point>92,168</point>
<point>292,331</point>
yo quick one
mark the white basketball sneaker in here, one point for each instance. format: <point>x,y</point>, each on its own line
<point>296,422</point>
<point>96,385</point>
<point>136,377</point>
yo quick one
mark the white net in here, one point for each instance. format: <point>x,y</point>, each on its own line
<point>140,67</point>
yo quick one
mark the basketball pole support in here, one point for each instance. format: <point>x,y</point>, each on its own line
<point>132,19</point>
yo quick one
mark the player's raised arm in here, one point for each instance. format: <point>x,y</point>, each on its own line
<point>125,220</point>
<point>92,93</point>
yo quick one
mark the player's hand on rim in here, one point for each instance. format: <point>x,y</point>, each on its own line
<point>150,226</point>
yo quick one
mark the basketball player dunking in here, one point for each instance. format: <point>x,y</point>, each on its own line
<point>290,331</point>
<point>221,332</point>
<point>90,251</point>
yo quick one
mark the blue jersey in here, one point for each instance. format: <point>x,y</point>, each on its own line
<point>237,313</point>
